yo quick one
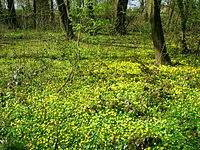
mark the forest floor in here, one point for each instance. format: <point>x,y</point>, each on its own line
<point>102,92</point>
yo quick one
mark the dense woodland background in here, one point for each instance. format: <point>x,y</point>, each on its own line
<point>99,74</point>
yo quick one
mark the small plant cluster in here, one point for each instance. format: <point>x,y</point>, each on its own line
<point>55,94</point>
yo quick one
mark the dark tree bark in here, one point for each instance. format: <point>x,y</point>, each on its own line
<point>1,7</point>
<point>52,13</point>
<point>12,21</point>
<point>65,19</point>
<point>34,14</point>
<point>184,17</point>
<point>161,55</point>
<point>121,17</point>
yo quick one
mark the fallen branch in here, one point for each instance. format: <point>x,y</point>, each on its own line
<point>69,78</point>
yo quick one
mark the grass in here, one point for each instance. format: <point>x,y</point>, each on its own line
<point>101,93</point>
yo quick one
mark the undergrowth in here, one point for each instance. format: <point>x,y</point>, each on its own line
<point>102,92</point>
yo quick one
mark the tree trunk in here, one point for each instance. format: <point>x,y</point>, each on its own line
<point>121,17</point>
<point>12,21</point>
<point>172,6</point>
<point>161,55</point>
<point>184,18</point>
<point>113,4</point>
<point>1,8</point>
<point>52,13</point>
<point>42,14</point>
<point>1,13</point>
<point>34,14</point>
<point>65,19</point>
<point>143,9</point>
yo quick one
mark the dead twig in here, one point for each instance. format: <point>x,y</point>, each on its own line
<point>69,78</point>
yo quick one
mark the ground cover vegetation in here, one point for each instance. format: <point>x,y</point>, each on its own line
<point>97,88</point>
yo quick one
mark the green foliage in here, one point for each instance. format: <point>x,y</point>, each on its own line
<point>97,20</point>
<point>103,94</point>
